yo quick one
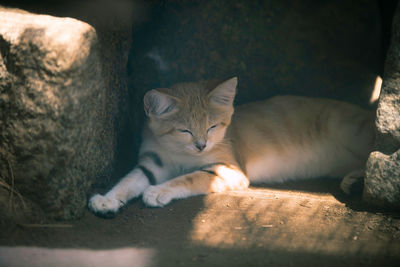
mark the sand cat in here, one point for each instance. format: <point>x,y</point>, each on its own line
<point>194,143</point>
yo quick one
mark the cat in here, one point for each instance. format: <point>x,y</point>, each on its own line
<point>195,142</point>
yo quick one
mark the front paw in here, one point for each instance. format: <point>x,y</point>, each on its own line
<point>157,196</point>
<point>104,206</point>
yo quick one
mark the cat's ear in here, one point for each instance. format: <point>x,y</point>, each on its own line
<point>159,104</point>
<point>224,93</point>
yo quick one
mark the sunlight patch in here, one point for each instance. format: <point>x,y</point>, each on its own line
<point>282,220</point>
<point>45,257</point>
<point>232,177</point>
<point>377,90</point>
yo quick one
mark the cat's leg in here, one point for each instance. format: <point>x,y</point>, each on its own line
<point>131,186</point>
<point>218,178</point>
<point>146,173</point>
<point>350,179</point>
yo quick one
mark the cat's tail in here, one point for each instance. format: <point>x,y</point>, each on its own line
<point>350,179</point>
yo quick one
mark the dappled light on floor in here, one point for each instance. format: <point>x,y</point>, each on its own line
<point>289,221</point>
<point>255,227</point>
<point>35,256</point>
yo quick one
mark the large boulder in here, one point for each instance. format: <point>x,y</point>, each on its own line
<point>314,48</point>
<point>56,132</point>
<point>382,181</point>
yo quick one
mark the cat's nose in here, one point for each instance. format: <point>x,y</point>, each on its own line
<point>200,146</point>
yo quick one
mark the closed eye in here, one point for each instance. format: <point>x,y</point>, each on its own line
<point>212,127</point>
<point>185,131</point>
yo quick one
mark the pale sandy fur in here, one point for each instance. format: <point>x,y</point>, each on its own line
<point>195,142</point>
<point>290,137</point>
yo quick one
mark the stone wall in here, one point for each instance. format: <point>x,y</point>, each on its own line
<point>62,98</point>
<point>382,181</point>
<point>313,48</point>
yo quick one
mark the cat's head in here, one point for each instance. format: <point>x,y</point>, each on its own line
<point>191,117</point>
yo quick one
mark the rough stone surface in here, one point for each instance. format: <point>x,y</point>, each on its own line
<point>382,181</point>
<point>382,184</point>
<point>55,136</point>
<point>314,48</point>
<point>113,22</point>
<point>257,227</point>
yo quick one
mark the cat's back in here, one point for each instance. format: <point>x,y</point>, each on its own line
<point>294,106</point>
<point>289,113</point>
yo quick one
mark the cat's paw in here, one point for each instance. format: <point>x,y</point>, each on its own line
<point>352,181</point>
<point>157,196</point>
<point>104,206</point>
<point>345,185</point>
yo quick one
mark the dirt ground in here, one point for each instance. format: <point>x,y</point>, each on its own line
<point>298,224</point>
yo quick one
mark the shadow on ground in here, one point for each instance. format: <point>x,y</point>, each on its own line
<point>299,224</point>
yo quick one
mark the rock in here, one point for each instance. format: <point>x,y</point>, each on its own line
<point>56,133</point>
<point>382,181</point>
<point>313,48</point>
